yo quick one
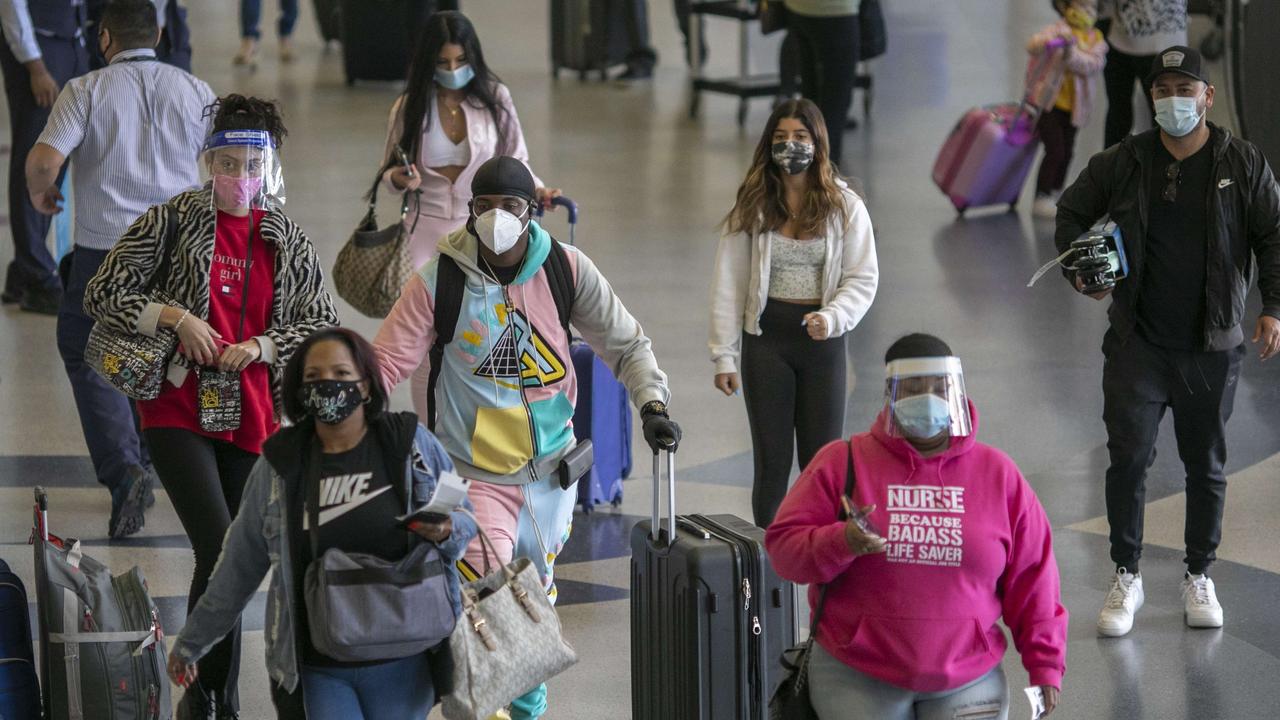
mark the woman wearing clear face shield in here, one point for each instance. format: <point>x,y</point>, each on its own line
<point>243,289</point>
<point>454,115</point>
<point>917,519</point>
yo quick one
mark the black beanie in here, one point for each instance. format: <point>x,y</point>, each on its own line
<point>503,175</point>
<point>916,345</point>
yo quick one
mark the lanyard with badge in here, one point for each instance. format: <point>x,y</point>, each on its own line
<point>219,395</point>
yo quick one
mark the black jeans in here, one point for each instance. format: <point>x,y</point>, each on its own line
<point>1139,382</point>
<point>108,419</point>
<point>794,388</point>
<point>1121,72</point>
<point>828,48</point>
<point>1059,137</point>
<point>288,704</point>
<point>205,479</point>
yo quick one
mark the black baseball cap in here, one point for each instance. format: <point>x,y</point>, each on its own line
<point>1178,59</point>
<point>503,175</point>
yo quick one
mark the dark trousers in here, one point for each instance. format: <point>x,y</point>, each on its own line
<point>641,56</point>
<point>1059,137</point>
<point>683,20</point>
<point>108,418</point>
<point>32,266</point>
<point>251,14</point>
<point>1119,75</point>
<point>794,388</point>
<point>289,705</point>
<point>828,49</point>
<point>1139,382</point>
<point>205,479</point>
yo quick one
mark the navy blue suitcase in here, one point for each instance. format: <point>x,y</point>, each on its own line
<point>603,416</point>
<point>19,685</point>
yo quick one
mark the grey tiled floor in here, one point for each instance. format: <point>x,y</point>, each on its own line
<point>653,184</point>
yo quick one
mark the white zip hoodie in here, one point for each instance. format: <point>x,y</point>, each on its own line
<point>740,281</point>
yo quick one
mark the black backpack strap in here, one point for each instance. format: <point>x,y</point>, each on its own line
<point>849,480</point>
<point>560,278</point>
<point>450,284</point>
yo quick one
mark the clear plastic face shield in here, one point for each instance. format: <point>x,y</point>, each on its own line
<point>925,398</point>
<point>244,170</point>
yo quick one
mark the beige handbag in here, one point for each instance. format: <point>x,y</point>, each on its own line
<point>375,263</point>
<point>507,641</point>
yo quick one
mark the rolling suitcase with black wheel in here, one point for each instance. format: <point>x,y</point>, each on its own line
<point>379,35</point>
<point>603,416</point>
<point>588,36</point>
<point>102,651</point>
<point>710,618</point>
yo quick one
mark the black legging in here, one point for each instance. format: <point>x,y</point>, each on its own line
<point>795,392</point>
<point>828,48</point>
<point>1059,137</point>
<point>1121,72</point>
<point>205,479</point>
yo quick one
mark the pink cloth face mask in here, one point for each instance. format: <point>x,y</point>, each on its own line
<point>235,192</point>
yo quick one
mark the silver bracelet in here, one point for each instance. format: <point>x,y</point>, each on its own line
<point>178,324</point>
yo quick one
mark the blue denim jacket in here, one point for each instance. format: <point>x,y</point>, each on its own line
<point>260,537</point>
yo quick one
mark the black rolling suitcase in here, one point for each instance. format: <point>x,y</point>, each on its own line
<point>709,617</point>
<point>378,35</point>
<point>588,35</point>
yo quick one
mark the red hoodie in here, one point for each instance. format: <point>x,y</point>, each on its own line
<point>968,543</point>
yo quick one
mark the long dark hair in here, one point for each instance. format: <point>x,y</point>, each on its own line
<point>366,364</point>
<point>443,28</point>
<point>762,205</point>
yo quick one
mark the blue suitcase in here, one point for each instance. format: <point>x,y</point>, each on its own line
<point>603,416</point>
<point>19,685</point>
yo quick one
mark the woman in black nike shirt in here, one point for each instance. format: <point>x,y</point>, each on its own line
<point>360,463</point>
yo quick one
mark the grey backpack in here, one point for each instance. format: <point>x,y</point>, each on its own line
<point>102,647</point>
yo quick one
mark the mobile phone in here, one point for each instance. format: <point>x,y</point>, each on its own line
<point>404,160</point>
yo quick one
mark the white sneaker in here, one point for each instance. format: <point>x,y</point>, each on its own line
<point>1123,600</point>
<point>1200,602</point>
<point>1045,206</point>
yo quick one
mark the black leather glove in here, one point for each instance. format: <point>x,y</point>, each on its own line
<point>660,431</point>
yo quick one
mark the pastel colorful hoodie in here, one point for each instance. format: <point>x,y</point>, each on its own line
<point>969,543</point>
<point>507,390</point>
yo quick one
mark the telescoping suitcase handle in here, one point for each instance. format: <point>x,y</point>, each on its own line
<point>570,207</point>
<point>655,530</point>
<point>42,513</point>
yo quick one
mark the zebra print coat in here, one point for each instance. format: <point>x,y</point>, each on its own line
<point>116,295</point>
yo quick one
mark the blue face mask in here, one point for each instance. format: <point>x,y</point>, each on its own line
<point>1178,116</point>
<point>922,416</point>
<point>455,79</point>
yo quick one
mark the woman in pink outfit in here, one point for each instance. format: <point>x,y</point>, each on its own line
<point>947,539</point>
<point>453,116</point>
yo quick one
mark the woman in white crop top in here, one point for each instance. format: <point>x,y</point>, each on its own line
<point>453,116</point>
<point>795,271</point>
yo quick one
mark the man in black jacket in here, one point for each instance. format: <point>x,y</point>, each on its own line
<point>1199,212</point>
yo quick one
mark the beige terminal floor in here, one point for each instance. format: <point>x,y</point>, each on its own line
<point>652,184</point>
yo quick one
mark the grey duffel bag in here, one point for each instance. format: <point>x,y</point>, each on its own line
<point>102,651</point>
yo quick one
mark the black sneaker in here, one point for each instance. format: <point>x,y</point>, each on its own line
<point>128,506</point>
<point>10,296</point>
<point>41,300</point>
<point>635,72</point>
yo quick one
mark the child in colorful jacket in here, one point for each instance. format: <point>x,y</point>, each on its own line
<point>1085,55</point>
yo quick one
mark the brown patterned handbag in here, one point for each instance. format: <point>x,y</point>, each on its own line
<point>375,263</point>
<point>133,363</point>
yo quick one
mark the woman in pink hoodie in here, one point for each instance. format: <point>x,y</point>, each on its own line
<point>949,539</point>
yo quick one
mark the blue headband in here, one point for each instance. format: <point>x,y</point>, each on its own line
<point>239,138</point>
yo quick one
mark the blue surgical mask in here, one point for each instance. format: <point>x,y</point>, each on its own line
<point>1178,116</point>
<point>922,416</point>
<point>455,79</point>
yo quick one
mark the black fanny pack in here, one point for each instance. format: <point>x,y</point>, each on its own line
<point>575,464</point>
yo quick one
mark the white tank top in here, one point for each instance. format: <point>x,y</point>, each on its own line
<point>795,268</point>
<point>438,150</point>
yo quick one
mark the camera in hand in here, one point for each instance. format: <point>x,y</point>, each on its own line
<point>1098,259</point>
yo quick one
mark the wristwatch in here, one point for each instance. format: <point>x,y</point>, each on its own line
<point>655,407</point>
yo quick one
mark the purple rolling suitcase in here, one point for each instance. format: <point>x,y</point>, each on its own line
<point>603,416</point>
<point>986,158</point>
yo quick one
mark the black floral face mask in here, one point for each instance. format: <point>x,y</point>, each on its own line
<point>330,401</point>
<point>793,156</point>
